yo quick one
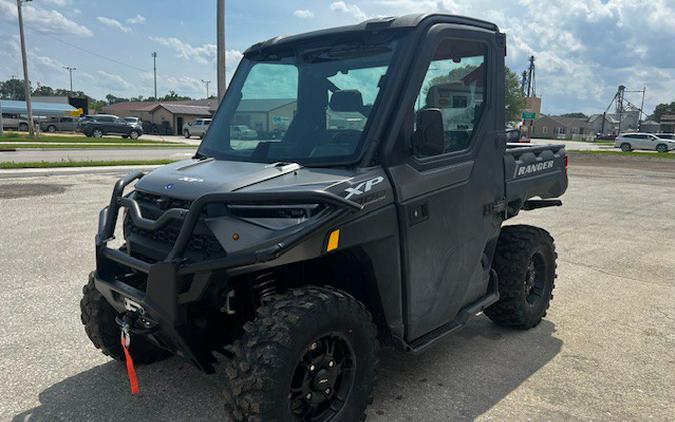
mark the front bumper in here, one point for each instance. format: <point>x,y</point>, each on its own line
<point>163,291</point>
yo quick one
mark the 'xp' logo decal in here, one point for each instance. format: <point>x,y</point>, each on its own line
<point>363,187</point>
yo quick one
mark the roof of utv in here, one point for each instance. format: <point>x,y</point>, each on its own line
<point>370,25</point>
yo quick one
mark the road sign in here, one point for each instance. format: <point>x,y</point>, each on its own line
<point>529,115</point>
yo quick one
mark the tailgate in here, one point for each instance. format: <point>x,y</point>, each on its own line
<point>534,171</point>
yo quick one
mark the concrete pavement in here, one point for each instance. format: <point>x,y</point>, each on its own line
<point>606,350</point>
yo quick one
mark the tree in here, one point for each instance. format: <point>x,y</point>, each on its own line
<point>515,100</point>
<point>661,109</point>
<point>12,89</point>
<point>172,96</point>
<point>43,90</point>
<point>113,99</point>
<point>576,115</point>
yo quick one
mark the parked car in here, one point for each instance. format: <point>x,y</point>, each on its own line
<point>59,124</point>
<point>669,136</point>
<point>605,136</point>
<point>647,141</point>
<point>98,125</point>
<point>242,132</point>
<point>197,127</point>
<point>16,122</point>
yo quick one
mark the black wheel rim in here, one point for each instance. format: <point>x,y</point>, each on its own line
<point>323,379</point>
<point>535,279</point>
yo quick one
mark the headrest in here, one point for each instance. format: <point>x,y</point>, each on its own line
<point>346,100</point>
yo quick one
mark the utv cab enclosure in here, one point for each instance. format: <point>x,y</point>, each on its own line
<point>374,217</point>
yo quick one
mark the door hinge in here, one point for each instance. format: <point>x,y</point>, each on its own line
<point>498,207</point>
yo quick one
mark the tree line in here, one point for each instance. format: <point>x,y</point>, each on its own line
<point>13,89</point>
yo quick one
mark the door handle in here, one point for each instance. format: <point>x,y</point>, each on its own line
<point>418,213</point>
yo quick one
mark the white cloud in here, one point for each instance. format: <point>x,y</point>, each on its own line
<point>58,3</point>
<point>349,9</point>
<point>202,54</point>
<point>232,58</point>
<point>303,14</point>
<point>42,20</point>
<point>112,81</point>
<point>136,19</point>
<point>113,23</point>
<point>77,11</point>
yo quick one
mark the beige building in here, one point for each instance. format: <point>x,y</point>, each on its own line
<point>266,115</point>
<point>165,118</point>
<point>557,127</point>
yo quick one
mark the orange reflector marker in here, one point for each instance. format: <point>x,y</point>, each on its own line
<point>333,240</point>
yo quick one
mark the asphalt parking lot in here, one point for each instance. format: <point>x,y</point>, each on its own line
<point>606,350</point>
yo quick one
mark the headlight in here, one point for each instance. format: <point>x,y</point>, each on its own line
<point>275,217</point>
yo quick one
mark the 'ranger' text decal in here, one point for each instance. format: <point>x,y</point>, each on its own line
<point>530,169</point>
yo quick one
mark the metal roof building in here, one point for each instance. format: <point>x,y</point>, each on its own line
<point>39,109</point>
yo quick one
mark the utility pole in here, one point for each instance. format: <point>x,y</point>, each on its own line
<point>154,70</point>
<point>70,71</point>
<point>207,87</point>
<point>24,59</point>
<point>221,48</point>
<point>642,106</point>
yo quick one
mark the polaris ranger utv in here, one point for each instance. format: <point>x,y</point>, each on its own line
<point>374,217</point>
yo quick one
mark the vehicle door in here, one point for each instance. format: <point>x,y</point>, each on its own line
<point>445,195</point>
<point>195,127</point>
<point>67,123</point>
<point>641,141</point>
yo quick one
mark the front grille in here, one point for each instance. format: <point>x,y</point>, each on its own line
<point>202,245</point>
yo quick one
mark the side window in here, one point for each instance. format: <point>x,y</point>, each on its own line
<point>456,84</point>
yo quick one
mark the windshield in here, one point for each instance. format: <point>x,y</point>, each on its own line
<point>311,107</point>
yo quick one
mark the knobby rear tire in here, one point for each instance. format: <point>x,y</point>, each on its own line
<point>520,248</point>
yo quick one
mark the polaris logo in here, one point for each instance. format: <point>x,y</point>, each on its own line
<point>533,168</point>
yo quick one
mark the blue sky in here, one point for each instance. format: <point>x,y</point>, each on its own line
<point>584,48</point>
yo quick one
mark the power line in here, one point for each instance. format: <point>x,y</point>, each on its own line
<point>100,56</point>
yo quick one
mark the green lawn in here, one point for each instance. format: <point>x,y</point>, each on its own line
<point>18,137</point>
<point>46,164</point>
<point>649,155</point>
<point>81,145</point>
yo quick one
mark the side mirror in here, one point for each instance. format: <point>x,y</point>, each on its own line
<point>429,136</point>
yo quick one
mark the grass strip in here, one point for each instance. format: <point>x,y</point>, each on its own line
<point>86,146</point>
<point>13,137</point>
<point>56,164</point>
<point>634,154</point>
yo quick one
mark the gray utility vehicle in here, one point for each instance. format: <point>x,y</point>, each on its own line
<point>295,258</point>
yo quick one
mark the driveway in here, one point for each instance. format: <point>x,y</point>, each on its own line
<point>605,351</point>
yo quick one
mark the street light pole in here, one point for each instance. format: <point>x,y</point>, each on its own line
<point>207,87</point>
<point>26,81</point>
<point>154,69</point>
<point>70,71</point>
<point>221,48</point>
